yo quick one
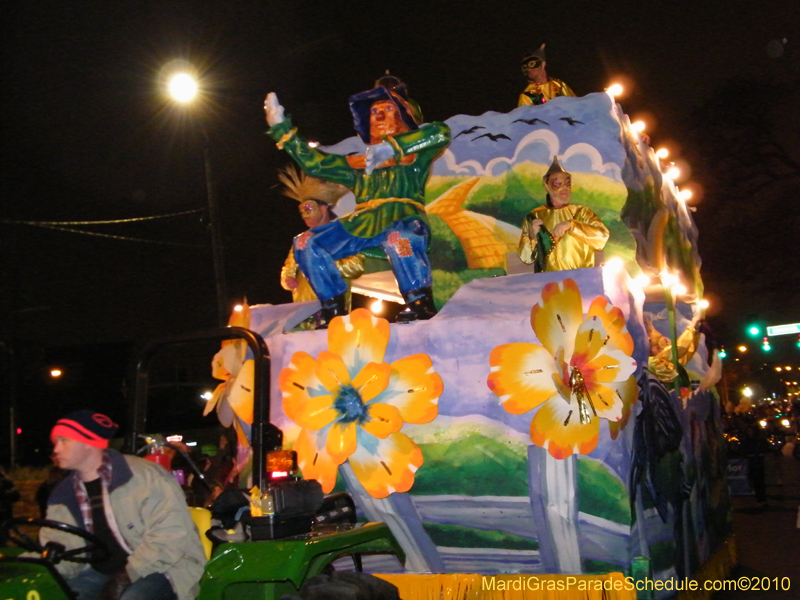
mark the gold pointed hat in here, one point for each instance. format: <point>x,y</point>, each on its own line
<point>555,167</point>
<point>535,54</point>
<point>301,187</point>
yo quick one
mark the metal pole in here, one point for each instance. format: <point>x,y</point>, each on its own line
<point>216,238</point>
<point>12,420</point>
<point>11,366</point>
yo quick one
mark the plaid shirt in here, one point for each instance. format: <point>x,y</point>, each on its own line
<point>83,497</point>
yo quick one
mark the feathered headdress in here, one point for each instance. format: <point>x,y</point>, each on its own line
<point>301,187</point>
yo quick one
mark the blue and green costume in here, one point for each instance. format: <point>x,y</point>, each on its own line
<point>390,209</point>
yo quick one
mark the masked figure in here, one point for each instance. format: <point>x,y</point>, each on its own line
<point>541,88</point>
<point>560,235</point>
<point>317,199</point>
<point>388,183</point>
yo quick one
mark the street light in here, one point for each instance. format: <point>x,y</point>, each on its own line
<point>183,88</point>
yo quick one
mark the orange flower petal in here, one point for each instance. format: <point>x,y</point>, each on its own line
<point>557,316</point>
<point>590,339</point>
<point>606,402</point>
<point>212,402</point>
<point>241,392</point>
<point>231,358</point>
<point>331,371</point>
<point>218,370</point>
<point>372,380</point>
<point>341,441</point>
<point>521,376</point>
<point>317,413</point>
<point>557,427</point>
<point>389,467</point>
<point>608,367</point>
<point>299,382</point>
<point>383,420</point>
<point>414,388</point>
<point>313,460</point>
<point>628,391</point>
<point>359,338</point>
<point>614,323</point>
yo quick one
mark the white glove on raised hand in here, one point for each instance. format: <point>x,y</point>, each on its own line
<point>377,155</point>
<point>273,109</point>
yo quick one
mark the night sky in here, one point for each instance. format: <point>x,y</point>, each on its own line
<point>88,135</point>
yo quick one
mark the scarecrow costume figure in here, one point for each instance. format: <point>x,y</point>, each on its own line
<point>388,183</point>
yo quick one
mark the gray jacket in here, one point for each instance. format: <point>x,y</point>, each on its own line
<point>148,516</point>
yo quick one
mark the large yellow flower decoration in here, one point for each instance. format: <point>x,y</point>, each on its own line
<point>583,370</point>
<point>233,398</point>
<point>351,406</point>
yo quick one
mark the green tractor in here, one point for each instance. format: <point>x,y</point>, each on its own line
<point>302,538</point>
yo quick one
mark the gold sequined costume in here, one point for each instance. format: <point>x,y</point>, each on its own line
<point>546,91</point>
<point>573,251</point>
<point>350,268</point>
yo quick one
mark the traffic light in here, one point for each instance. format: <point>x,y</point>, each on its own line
<point>765,345</point>
<point>723,354</point>
<point>754,329</point>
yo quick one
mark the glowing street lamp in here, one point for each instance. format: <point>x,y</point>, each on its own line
<point>183,88</point>
<point>614,90</point>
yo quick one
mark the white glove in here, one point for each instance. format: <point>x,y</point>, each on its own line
<point>273,109</point>
<point>377,155</point>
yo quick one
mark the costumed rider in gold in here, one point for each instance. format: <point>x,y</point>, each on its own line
<point>317,199</point>
<point>541,88</point>
<point>560,235</point>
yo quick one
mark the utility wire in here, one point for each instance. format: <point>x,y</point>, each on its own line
<point>133,220</point>
<point>116,237</point>
<point>63,226</point>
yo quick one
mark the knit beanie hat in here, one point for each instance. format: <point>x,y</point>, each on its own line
<point>86,426</point>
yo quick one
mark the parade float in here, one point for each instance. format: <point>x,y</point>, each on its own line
<point>546,424</point>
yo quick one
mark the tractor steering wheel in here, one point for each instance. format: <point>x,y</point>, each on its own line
<point>96,550</point>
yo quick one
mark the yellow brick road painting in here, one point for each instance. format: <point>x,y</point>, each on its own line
<point>485,240</point>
